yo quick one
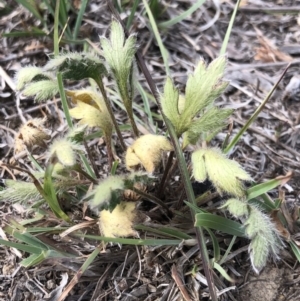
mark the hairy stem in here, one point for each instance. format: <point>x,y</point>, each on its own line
<point>112,116</point>
<point>132,122</point>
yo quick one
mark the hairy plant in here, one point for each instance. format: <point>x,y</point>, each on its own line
<point>259,228</point>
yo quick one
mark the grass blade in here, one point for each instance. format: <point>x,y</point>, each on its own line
<point>262,188</point>
<point>133,241</point>
<point>163,50</point>
<point>31,6</point>
<point>182,16</point>
<point>295,250</point>
<point>228,32</point>
<point>79,18</point>
<point>237,137</point>
<point>216,247</point>
<point>219,223</point>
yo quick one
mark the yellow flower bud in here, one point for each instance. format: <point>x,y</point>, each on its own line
<point>147,151</point>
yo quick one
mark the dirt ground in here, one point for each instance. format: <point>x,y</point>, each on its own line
<point>264,40</point>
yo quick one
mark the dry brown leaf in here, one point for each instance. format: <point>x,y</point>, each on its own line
<point>268,52</point>
<point>31,133</point>
<point>279,226</point>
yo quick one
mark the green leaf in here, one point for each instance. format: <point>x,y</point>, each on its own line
<point>27,74</point>
<point>182,16</point>
<point>295,250</point>
<point>219,223</point>
<point>19,191</point>
<point>50,193</point>
<point>42,90</point>
<point>216,247</point>
<point>166,231</point>
<point>226,175</point>
<point>262,188</point>
<point>169,103</point>
<point>222,272</point>
<point>119,55</point>
<point>213,120</point>
<point>136,242</point>
<point>22,247</point>
<point>32,6</point>
<point>77,66</point>
<point>236,207</point>
<point>203,87</point>
<point>107,194</point>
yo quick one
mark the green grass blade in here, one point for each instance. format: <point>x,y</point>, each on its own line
<point>33,260</point>
<point>238,136</point>
<point>132,12</point>
<point>182,16</point>
<point>79,18</point>
<point>114,168</point>
<point>133,241</point>
<point>79,273</point>
<point>163,50</point>
<point>21,247</point>
<point>228,250</point>
<point>31,6</point>
<point>145,99</point>
<point>63,16</point>
<point>24,34</point>
<point>166,231</point>
<point>49,190</point>
<point>262,188</point>
<point>56,27</point>
<point>264,206</point>
<point>228,32</point>
<point>46,229</point>
<point>64,100</point>
<point>223,272</point>
<point>295,250</point>
<point>216,247</point>
<point>219,223</point>
<point>35,163</point>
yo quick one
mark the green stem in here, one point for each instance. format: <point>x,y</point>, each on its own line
<point>109,150</point>
<point>112,116</point>
<point>132,122</point>
<point>64,101</point>
<point>191,198</point>
<point>55,31</point>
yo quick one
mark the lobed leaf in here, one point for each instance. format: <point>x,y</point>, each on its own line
<point>107,194</point>
<point>213,120</point>
<point>169,102</point>
<point>77,66</point>
<point>203,87</point>
<point>225,174</point>
<point>42,90</point>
